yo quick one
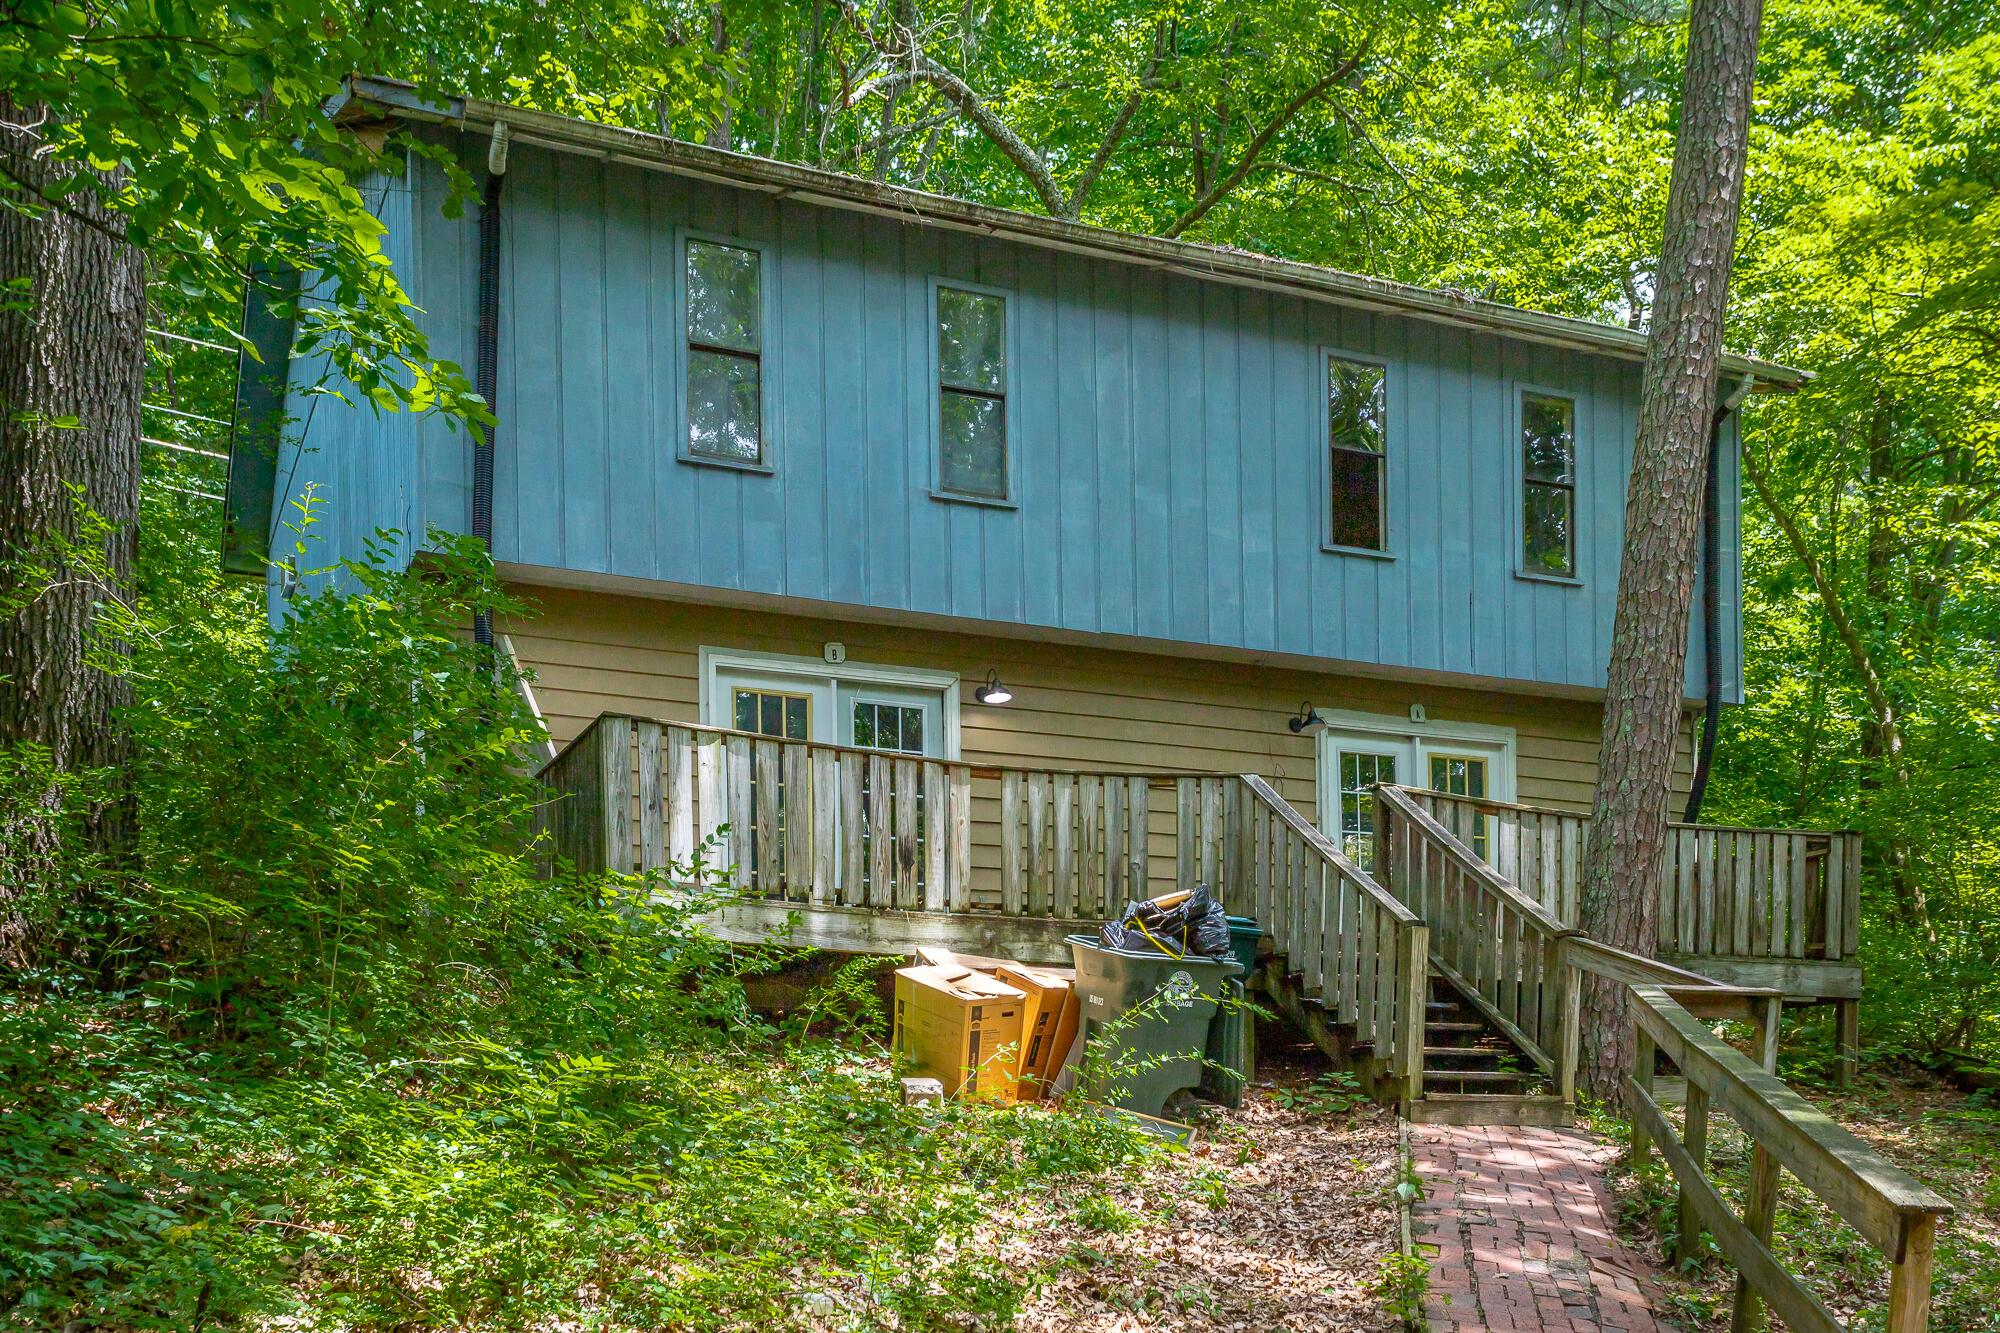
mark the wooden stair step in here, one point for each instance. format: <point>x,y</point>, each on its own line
<point>1482,1054</point>
<point>1488,1108</point>
<point>1479,1075</point>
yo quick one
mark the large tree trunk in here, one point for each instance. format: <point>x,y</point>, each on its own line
<point>72,345</point>
<point>1642,704</point>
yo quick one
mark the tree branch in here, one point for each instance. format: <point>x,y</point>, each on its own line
<point>1248,159</point>
<point>960,94</point>
<point>1836,612</point>
<point>1148,79</point>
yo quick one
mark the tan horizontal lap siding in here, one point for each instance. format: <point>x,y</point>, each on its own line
<point>1074,707</point>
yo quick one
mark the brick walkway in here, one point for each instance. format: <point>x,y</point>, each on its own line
<point>1522,1235</point>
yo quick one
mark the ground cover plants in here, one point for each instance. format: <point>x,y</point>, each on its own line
<point>321,1049</point>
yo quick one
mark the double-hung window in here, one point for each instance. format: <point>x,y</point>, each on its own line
<point>972,393</point>
<point>725,394</point>
<point>1357,414</point>
<point>1548,484</point>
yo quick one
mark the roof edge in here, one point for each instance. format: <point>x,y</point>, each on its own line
<point>1217,263</point>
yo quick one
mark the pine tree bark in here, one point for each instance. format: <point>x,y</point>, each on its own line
<point>72,344</point>
<point>1644,684</point>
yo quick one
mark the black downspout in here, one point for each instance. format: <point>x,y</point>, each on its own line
<point>1711,609</point>
<point>486,372</point>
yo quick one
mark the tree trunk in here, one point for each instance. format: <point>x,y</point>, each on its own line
<point>72,345</point>
<point>1642,704</point>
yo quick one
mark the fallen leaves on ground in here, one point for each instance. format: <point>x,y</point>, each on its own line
<point>1274,1220</point>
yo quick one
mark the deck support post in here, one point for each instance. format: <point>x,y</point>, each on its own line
<point>1847,1041</point>
<point>1770,1014</point>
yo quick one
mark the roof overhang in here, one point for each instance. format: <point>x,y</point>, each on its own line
<point>371,98</point>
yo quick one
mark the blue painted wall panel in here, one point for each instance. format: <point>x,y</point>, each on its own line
<point>1168,437</point>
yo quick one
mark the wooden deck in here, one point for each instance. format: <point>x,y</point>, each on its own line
<point>864,851</point>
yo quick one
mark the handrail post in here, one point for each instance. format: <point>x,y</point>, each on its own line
<point>1414,964</point>
<point>1759,1210</point>
<point>1694,1138</point>
<point>615,782</point>
<point>1910,1276</point>
<point>1569,1015</point>
<point>1642,1074</point>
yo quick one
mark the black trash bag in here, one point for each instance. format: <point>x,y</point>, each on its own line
<point>1195,925</point>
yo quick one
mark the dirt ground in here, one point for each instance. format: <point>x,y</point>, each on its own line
<point>1279,1217</point>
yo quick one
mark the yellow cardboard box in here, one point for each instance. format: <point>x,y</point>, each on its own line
<point>963,1030</point>
<point>1048,995</point>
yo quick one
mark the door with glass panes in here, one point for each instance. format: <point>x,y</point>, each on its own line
<point>809,706</point>
<point>1351,762</point>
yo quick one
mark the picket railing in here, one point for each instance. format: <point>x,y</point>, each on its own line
<point>1503,950</point>
<point>1724,892</point>
<point>841,826</point>
<point>1362,954</point>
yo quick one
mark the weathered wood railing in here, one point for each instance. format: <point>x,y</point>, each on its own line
<point>1362,954</point>
<point>840,826</point>
<point>1503,950</point>
<point>1724,892</point>
<point>1893,1212</point>
<point>1475,912</point>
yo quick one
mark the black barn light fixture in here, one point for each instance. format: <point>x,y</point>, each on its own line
<point>1307,720</point>
<point>993,692</point>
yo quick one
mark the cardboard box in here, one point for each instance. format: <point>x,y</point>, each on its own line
<point>1048,996</point>
<point>963,1030</point>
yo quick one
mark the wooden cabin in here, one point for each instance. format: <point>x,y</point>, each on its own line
<point>967,572</point>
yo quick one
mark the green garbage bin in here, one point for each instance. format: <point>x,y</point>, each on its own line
<point>1230,1059</point>
<point>1145,1021</point>
<point>1243,936</point>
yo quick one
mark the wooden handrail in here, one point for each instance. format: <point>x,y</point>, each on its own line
<point>1604,960</point>
<point>1874,1196</point>
<point>1495,807</point>
<point>1470,863</point>
<point>1324,845</point>
<point>1159,777</point>
<point>1491,806</point>
<point>1893,1211</point>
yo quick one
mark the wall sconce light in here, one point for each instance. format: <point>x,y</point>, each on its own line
<point>1307,720</point>
<point>993,692</point>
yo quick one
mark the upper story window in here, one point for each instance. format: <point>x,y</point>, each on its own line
<point>1548,484</point>
<point>972,393</point>
<point>725,396</point>
<point>1357,414</point>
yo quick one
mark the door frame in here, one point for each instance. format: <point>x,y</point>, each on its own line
<point>1413,743</point>
<point>818,675</point>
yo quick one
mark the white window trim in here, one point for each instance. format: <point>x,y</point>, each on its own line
<point>1425,738</point>
<point>715,710</point>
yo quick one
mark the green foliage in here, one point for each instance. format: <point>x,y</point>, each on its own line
<point>330,1049</point>
<point>1401,1281</point>
<point>1333,1093</point>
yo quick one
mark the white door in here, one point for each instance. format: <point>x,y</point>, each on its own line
<point>1358,750</point>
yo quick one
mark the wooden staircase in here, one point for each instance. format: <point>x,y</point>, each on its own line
<point>1474,1074</point>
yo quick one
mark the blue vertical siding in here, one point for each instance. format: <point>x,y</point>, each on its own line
<point>1167,433</point>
